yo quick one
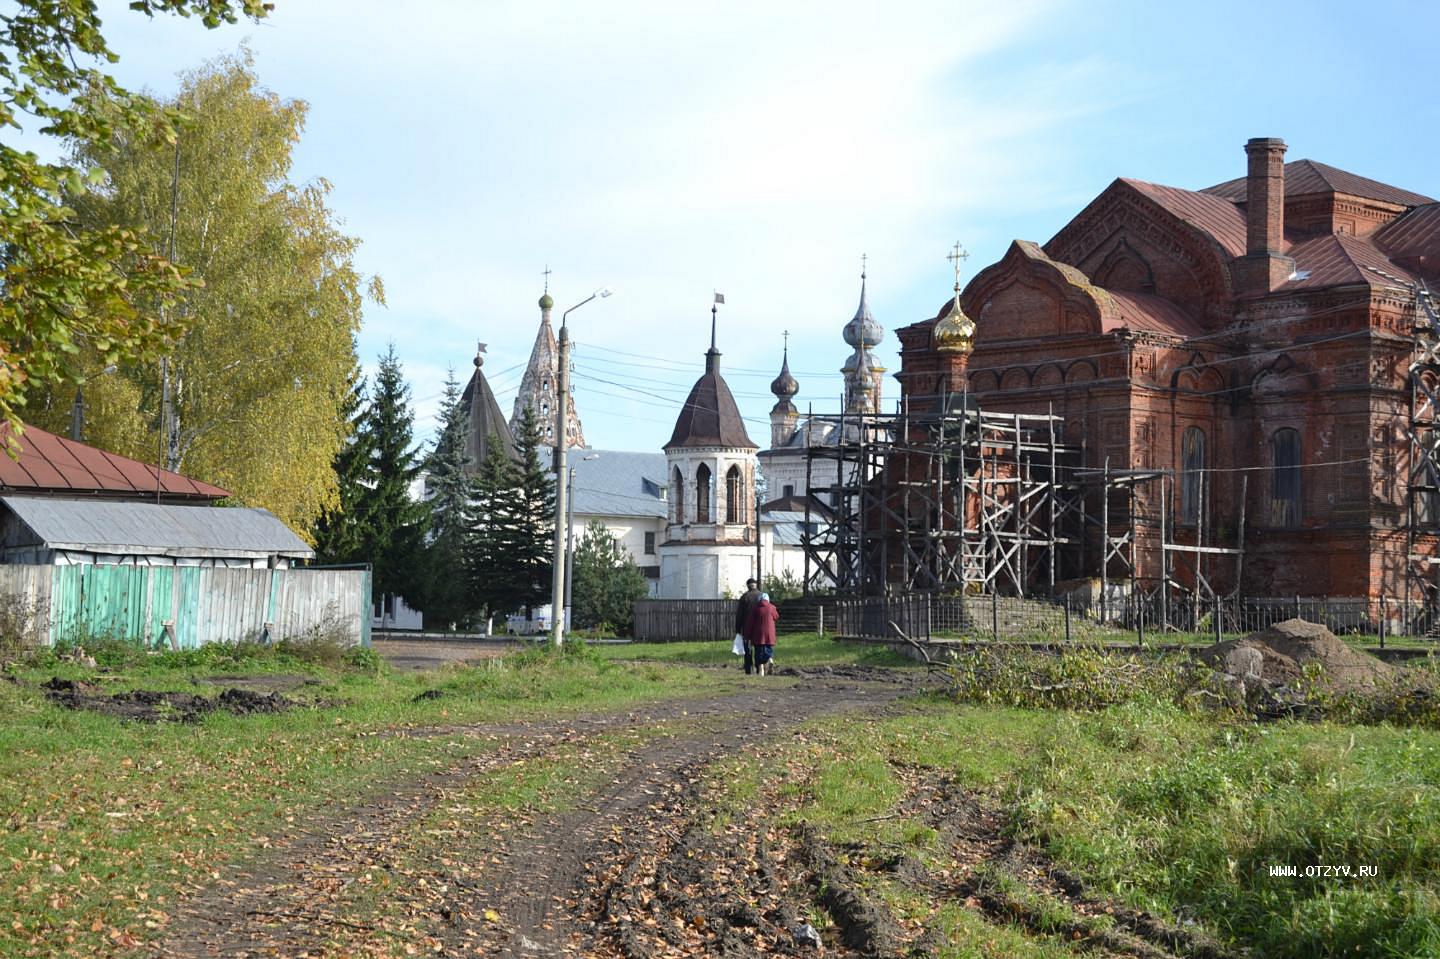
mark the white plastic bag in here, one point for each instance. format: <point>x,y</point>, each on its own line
<point>738,647</point>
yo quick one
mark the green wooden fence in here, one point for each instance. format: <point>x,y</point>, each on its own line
<point>188,606</point>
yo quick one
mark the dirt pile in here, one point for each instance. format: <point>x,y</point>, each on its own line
<point>1279,655</point>
<point>150,706</point>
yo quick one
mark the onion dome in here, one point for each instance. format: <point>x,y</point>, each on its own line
<point>955,332</point>
<point>785,386</point>
<point>863,330</point>
<point>547,302</point>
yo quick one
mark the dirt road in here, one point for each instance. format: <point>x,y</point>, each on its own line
<point>547,884</point>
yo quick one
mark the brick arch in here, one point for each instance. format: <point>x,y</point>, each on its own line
<point>1015,378</point>
<point>1049,375</point>
<point>1202,379</point>
<point>1125,269</point>
<point>1282,377</point>
<point>1081,371</point>
<point>984,381</point>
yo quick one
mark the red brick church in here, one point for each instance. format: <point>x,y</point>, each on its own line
<point>1263,328</point>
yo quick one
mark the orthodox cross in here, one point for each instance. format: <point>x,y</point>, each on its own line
<point>863,258</point>
<point>546,273</point>
<point>956,256</point>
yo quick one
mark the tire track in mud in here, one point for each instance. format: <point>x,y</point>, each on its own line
<point>523,902</point>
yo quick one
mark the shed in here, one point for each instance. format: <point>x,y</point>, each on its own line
<point>54,531</point>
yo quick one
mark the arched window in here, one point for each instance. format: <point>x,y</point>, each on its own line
<point>678,482</point>
<point>1285,478</point>
<point>1192,462</point>
<point>702,494</point>
<point>734,496</point>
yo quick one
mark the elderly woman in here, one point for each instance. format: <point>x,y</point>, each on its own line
<point>760,633</point>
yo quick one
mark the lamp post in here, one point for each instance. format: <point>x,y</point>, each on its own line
<point>562,402</point>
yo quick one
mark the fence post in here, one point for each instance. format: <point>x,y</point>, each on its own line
<point>1297,607</point>
<point>820,620</point>
<point>1139,607</point>
<point>1382,620</point>
<point>995,615</point>
<point>1067,618</point>
<point>1219,612</point>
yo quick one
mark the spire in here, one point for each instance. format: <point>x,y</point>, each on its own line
<point>863,328</point>
<point>539,382</point>
<point>712,355</point>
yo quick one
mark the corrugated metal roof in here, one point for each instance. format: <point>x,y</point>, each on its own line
<point>53,464</point>
<point>1307,177</point>
<point>788,525</point>
<point>1417,233</point>
<point>1341,260</point>
<point>132,528</point>
<point>618,483</point>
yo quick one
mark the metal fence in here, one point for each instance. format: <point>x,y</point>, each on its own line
<point>185,607</point>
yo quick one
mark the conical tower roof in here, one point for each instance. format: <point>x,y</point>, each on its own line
<point>483,417</point>
<point>710,416</point>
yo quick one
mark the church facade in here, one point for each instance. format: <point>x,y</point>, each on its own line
<point>1253,340</point>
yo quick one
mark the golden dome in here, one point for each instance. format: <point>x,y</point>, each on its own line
<point>955,333</point>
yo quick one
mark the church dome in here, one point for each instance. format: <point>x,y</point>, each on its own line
<point>785,386</point>
<point>863,330</point>
<point>547,302</point>
<point>955,332</point>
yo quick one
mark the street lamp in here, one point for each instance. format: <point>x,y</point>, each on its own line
<point>562,402</point>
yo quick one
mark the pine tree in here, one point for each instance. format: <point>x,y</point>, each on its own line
<point>394,523</point>
<point>340,534</point>
<point>445,594</point>
<point>535,515</point>
<point>491,545</point>
<point>607,582</point>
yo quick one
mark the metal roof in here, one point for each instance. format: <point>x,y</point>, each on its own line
<point>788,525</point>
<point>1308,177</point>
<point>130,528</point>
<point>617,483</point>
<point>53,464</point>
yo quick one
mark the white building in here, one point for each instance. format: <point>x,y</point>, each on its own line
<point>711,537</point>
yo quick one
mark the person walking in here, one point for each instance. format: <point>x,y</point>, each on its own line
<point>743,608</point>
<point>761,633</point>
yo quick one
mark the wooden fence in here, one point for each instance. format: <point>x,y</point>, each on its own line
<point>184,607</point>
<point>675,620</point>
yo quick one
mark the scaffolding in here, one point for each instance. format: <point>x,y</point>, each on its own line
<point>1423,474</point>
<point>945,497</point>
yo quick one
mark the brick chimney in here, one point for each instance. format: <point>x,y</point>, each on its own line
<point>1264,267</point>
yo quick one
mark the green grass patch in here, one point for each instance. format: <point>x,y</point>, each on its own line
<point>107,821</point>
<point>791,649</point>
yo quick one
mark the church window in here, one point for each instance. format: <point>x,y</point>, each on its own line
<point>734,496</point>
<point>544,409</point>
<point>1285,478</point>
<point>1192,464</point>
<point>788,490</point>
<point>702,494</point>
<point>545,387</point>
<point>649,544</point>
<point>678,482</point>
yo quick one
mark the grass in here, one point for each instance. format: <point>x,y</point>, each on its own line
<point>1163,810</point>
<point>791,649</point>
<point>106,822</point>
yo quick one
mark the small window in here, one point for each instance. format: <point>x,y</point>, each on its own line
<point>788,490</point>
<point>545,387</point>
<point>734,496</point>
<point>677,484</point>
<point>1285,488</point>
<point>649,544</point>
<point>702,494</point>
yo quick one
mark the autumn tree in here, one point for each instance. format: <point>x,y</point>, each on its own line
<point>260,376</point>
<point>77,294</point>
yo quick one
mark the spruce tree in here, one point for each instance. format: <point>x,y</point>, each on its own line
<point>444,593</point>
<point>340,534</point>
<point>535,515</point>
<point>607,582</point>
<point>493,534</point>
<point>394,522</point>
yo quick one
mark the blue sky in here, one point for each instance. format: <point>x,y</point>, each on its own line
<point>759,149</point>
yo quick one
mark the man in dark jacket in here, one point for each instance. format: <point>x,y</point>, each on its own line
<point>743,608</point>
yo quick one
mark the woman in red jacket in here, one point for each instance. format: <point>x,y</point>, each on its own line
<point>760,633</point>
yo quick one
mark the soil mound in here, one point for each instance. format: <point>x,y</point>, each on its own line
<point>150,706</point>
<point>1286,648</point>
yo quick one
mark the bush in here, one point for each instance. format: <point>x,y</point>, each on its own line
<point>1082,678</point>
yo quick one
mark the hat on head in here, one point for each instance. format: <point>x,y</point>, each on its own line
<point>765,596</point>
<point>752,582</point>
